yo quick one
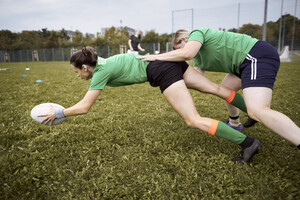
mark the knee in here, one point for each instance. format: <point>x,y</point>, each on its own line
<point>256,113</point>
<point>252,115</point>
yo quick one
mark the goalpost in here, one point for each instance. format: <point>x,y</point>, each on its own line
<point>181,19</point>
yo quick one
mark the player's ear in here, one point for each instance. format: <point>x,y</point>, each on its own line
<point>84,67</point>
<point>185,39</point>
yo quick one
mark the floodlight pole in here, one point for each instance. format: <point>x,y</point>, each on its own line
<point>173,11</point>
<point>279,37</point>
<point>173,24</point>
<point>264,36</point>
<point>283,35</point>
<point>238,19</point>
<point>294,22</point>
<point>192,19</point>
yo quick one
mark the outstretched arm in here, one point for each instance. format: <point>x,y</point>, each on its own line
<point>188,52</point>
<point>140,48</point>
<point>82,107</point>
<point>129,44</point>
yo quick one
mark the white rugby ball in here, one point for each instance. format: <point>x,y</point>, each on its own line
<point>43,109</point>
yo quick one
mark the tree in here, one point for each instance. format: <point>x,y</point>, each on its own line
<point>163,40</point>
<point>77,39</point>
<point>116,37</point>
<point>7,40</point>
<point>253,30</point>
<point>53,40</point>
<point>151,37</point>
<point>29,40</point>
<point>63,35</point>
<point>99,41</point>
<point>234,30</point>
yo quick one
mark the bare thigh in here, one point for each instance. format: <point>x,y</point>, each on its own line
<point>181,100</point>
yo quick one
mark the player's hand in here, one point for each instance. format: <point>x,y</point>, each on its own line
<point>147,58</point>
<point>49,117</point>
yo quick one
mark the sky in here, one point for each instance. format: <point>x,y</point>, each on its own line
<point>161,16</point>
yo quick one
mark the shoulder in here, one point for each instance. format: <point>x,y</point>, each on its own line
<point>101,61</point>
<point>198,35</point>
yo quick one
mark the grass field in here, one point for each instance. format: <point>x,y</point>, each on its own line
<point>132,145</point>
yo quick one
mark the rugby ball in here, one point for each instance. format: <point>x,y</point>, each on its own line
<point>43,109</point>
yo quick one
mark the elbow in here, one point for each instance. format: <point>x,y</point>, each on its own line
<point>84,110</point>
<point>188,55</point>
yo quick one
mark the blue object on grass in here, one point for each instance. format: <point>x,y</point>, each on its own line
<point>23,75</point>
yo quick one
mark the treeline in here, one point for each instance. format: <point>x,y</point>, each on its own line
<point>56,39</point>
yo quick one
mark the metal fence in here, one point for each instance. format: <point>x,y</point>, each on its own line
<point>64,54</point>
<point>234,16</point>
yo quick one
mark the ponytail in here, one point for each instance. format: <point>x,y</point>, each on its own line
<point>86,56</point>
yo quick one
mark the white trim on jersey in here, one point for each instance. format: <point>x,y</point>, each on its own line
<point>253,66</point>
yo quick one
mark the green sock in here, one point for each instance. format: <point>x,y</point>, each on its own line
<point>228,133</point>
<point>237,100</point>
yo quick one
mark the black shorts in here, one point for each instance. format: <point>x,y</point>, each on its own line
<point>260,67</point>
<point>164,73</point>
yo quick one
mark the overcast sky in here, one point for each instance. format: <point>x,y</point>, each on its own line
<point>92,15</point>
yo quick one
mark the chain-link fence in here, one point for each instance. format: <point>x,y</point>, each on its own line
<point>233,16</point>
<point>64,54</point>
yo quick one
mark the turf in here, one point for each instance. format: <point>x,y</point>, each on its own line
<point>132,145</point>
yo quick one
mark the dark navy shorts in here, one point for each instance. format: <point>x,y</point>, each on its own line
<point>260,67</point>
<point>164,73</point>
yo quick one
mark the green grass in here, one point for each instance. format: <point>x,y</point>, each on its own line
<point>132,145</point>
<point>296,57</point>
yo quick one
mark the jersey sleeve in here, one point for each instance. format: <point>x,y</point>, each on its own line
<point>196,35</point>
<point>99,80</point>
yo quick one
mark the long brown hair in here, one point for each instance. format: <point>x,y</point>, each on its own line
<point>86,56</point>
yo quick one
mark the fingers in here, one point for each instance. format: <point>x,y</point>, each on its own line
<point>140,57</point>
<point>47,119</point>
<point>145,58</point>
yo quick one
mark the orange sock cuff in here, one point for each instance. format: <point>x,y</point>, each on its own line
<point>231,97</point>
<point>213,128</point>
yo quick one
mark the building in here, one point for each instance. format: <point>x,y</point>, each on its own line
<point>130,31</point>
<point>72,33</point>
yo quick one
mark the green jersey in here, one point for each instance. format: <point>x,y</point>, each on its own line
<point>221,51</point>
<point>118,70</point>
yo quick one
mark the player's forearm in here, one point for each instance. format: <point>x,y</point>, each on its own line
<point>177,55</point>
<point>78,109</point>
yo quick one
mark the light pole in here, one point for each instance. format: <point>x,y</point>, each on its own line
<point>279,37</point>
<point>294,22</point>
<point>264,36</point>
